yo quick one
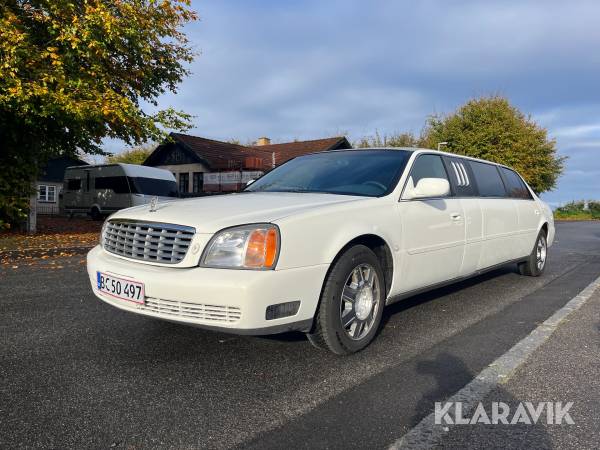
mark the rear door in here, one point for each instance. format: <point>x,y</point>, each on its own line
<point>432,230</point>
<point>500,218</point>
<point>462,180</point>
<point>527,208</point>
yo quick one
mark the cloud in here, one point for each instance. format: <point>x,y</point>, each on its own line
<point>308,69</point>
<point>577,131</point>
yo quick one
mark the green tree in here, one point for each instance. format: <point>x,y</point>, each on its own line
<point>393,140</point>
<point>75,72</point>
<point>491,128</point>
<point>135,155</point>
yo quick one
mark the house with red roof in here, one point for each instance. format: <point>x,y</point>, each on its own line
<point>207,166</point>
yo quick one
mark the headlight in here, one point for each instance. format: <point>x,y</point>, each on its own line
<point>253,246</point>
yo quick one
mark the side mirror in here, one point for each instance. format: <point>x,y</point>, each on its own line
<point>428,187</point>
<point>250,182</point>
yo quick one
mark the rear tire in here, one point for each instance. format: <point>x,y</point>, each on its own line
<point>536,262</point>
<point>351,303</point>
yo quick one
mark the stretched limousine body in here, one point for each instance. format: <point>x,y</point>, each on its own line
<point>321,244</point>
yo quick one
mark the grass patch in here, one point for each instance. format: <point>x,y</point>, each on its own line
<point>579,210</point>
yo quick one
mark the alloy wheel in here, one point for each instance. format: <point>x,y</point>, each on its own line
<point>360,301</point>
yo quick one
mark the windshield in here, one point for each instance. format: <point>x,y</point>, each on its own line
<point>153,186</point>
<point>370,173</point>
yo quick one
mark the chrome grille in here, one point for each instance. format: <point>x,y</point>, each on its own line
<point>148,241</point>
<point>211,313</point>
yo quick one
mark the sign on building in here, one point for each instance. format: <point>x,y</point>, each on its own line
<point>212,178</point>
<point>231,177</point>
<point>228,181</point>
<point>250,175</point>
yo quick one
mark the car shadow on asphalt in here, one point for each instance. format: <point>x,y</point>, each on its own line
<point>410,302</point>
<point>450,373</point>
<point>428,296</point>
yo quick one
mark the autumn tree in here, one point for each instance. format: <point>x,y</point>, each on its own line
<point>75,72</point>
<point>491,128</point>
<point>134,155</point>
<point>392,140</point>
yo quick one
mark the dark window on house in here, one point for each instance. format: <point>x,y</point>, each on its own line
<point>184,182</point>
<point>488,179</point>
<point>73,185</point>
<point>515,185</point>
<point>46,193</point>
<point>197,182</point>
<point>117,184</point>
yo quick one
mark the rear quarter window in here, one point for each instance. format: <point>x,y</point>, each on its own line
<point>488,179</point>
<point>461,177</point>
<point>515,185</point>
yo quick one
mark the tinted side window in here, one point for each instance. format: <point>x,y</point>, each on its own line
<point>488,179</point>
<point>118,184</point>
<point>515,185</point>
<point>73,185</point>
<point>427,166</point>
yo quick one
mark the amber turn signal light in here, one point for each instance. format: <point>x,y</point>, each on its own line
<point>261,251</point>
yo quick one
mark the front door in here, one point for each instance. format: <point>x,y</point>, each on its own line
<point>432,231</point>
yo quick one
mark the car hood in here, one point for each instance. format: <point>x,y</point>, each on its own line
<point>213,213</point>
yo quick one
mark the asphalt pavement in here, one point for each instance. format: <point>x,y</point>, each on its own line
<point>77,373</point>
<point>564,369</point>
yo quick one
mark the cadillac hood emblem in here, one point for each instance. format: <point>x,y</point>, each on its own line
<point>153,203</point>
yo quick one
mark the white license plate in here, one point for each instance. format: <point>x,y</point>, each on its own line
<point>121,288</point>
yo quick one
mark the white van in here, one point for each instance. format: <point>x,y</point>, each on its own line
<point>322,243</point>
<point>100,190</point>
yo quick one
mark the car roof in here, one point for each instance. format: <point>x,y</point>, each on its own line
<point>418,150</point>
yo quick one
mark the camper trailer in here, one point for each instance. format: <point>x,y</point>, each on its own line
<point>100,190</point>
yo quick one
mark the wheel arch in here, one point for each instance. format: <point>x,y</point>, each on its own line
<point>382,250</point>
<point>96,207</point>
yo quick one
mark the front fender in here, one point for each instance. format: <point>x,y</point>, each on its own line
<point>316,238</point>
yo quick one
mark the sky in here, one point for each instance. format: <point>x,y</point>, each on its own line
<point>309,69</point>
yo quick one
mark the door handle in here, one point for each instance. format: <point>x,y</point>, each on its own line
<point>537,212</point>
<point>455,216</point>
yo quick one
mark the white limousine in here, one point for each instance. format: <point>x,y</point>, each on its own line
<point>321,244</point>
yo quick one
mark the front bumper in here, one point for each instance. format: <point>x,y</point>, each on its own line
<point>220,299</point>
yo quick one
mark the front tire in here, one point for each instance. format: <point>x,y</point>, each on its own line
<point>351,303</point>
<point>536,262</point>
